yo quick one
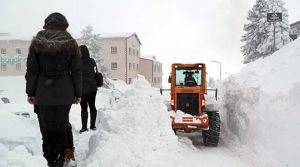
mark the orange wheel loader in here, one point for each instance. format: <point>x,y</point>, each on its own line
<point>188,87</point>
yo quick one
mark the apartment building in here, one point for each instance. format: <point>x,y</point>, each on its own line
<point>13,56</point>
<point>152,70</point>
<point>295,30</point>
<point>121,55</point>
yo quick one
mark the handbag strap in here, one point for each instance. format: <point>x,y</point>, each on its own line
<point>96,68</point>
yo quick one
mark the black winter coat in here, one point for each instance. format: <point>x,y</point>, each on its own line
<point>54,70</point>
<point>88,73</point>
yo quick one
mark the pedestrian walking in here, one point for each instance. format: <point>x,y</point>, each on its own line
<point>53,84</point>
<point>89,90</point>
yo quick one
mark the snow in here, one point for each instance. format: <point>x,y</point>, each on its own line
<point>261,103</point>
<point>116,35</point>
<point>149,57</point>
<point>259,115</point>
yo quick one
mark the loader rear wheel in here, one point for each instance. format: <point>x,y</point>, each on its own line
<point>211,136</point>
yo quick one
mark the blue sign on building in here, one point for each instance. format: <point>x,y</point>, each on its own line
<point>12,59</point>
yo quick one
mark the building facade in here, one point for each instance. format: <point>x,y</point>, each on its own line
<point>295,30</point>
<point>121,55</point>
<point>13,57</point>
<point>152,70</point>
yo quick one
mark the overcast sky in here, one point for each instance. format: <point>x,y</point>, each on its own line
<point>173,30</point>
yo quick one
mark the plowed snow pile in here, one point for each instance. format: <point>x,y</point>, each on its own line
<point>261,106</point>
<point>129,135</point>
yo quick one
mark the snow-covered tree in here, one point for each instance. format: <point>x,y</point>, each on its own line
<point>259,37</point>
<point>281,29</point>
<point>256,31</point>
<point>92,41</point>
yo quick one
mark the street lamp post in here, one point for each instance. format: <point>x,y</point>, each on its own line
<point>220,67</point>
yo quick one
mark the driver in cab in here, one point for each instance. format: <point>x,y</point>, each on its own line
<point>190,80</point>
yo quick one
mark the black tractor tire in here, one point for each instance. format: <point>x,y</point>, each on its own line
<point>211,136</point>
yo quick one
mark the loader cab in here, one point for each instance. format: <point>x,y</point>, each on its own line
<point>188,77</point>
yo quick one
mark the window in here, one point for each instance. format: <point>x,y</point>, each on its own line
<point>137,67</point>
<point>133,66</point>
<point>137,53</point>
<point>3,67</point>
<point>18,51</point>
<point>154,80</point>
<point>129,52</point>
<point>3,51</point>
<point>114,50</point>
<point>183,73</point>
<point>18,66</point>
<point>114,66</point>
<point>133,52</point>
<point>129,66</point>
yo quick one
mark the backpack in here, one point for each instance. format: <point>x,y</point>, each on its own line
<point>99,78</point>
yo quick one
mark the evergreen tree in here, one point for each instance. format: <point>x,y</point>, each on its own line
<point>256,31</point>
<point>281,29</point>
<point>92,41</point>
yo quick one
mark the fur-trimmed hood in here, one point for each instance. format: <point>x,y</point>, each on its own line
<point>52,41</point>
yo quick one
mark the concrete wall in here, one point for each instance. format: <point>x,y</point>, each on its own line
<point>152,70</point>
<point>133,57</point>
<point>147,69</point>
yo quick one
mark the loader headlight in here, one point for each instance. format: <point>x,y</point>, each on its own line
<point>172,102</point>
<point>203,102</point>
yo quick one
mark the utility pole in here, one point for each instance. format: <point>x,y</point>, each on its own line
<point>274,45</point>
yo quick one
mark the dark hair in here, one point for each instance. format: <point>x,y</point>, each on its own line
<point>84,51</point>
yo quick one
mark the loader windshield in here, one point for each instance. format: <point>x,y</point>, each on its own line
<point>188,76</point>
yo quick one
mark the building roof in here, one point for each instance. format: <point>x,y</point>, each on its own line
<point>120,35</point>
<point>8,36</point>
<point>297,22</point>
<point>150,57</point>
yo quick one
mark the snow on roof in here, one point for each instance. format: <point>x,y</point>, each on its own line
<point>8,36</point>
<point>119,35</point>
<point>149,57</point>
<point>116,35</point>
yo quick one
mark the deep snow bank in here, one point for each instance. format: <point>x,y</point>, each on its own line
<point>20,139</point>
<point>135,130</point>
<point>261,106</point>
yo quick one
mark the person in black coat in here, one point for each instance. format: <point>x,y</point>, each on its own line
<point>53,84</point>
<point>89,90</point>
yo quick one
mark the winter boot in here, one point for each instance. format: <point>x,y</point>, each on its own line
<point>93,119</point>
<point>69,158</point>
<point>83,129</point>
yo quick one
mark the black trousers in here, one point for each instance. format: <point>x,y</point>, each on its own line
<point>55,129</point>
<point>88,100</point>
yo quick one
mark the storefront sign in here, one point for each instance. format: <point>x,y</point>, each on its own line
<point>12,59</point>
